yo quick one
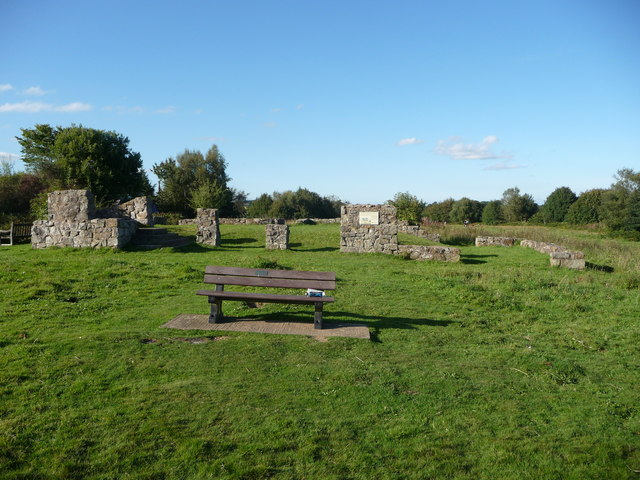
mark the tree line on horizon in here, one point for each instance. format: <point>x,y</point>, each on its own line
<point>78,157</point>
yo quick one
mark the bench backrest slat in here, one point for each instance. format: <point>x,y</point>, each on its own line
<point>264,273</point>
<point>252,277</point>
<point>270,282</point>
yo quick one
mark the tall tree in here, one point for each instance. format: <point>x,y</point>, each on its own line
<point>492,213</point>
<point>586,209</point>
<point>516,207</point>
<point>439,211</point>
<point>616,201</point>
<point>259,208</point>
<point>466,209</point>
<point>80,157</point>
<point>408,207</point>
<point>193,180</point>
<point>557,205</point>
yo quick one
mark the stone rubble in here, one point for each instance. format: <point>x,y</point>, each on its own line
<point>277,237</point>
<point>208,227</point>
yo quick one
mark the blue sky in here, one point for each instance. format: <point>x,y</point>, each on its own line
<point>359,99</point>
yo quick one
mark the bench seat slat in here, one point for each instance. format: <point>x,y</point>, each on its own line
<point>265,297</point>
<point>264,273</point>
<point>269,282</point>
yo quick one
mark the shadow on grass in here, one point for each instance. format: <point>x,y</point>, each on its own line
<point>600,268</point>
<point>374,322</point>
<point>238,241</point>
<point>471,259</point>
<point>323,249</point>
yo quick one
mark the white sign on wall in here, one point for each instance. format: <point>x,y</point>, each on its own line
<point>368,218</point>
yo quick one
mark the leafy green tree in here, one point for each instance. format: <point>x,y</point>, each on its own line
<point>408,207</point>
<point>79,157</point>
<point>516,207</point>
<point>586,209</point>
<point>557,205</point>
<point>439,211</point>
<point>466,209</point>
<point>193,180</point>
<point>302,203</point>
<point>492,213</point>
<point>260,207</point>
<point>17,190</point>
<point>615,201</point>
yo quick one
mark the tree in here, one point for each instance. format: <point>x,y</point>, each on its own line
<point>260,207</point>
<point>408,207</point>
<point>516,207</point>
<point>439,211</point>
<point>466,209</point>
<point>79,157</point>
<point>616,201</point>
<point>303,203</point>
<point>17,190</point>
<point>492,213</point>
<point>193,180</point>
<point>586,209</point>
<point>557,205</point>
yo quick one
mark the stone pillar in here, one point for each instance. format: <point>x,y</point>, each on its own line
<point>208,227</point>
<point>368,228</point>
<point>277,237</point>
<point>71,206</point>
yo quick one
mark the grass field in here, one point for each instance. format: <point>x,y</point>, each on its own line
<point>497,367</point>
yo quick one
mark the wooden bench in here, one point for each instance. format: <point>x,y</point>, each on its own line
<point>18,231</point>
<point>251,277</point>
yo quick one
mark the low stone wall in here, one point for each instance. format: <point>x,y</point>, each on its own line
<point>208,227</point>
<point>559,256</point>
<point>418,231</point>
<point>94,233</point>
<point>368,229</point>
<point>277,237</point>
<point>495,241</point>
<point>72,223</point>
<point>429,252</point>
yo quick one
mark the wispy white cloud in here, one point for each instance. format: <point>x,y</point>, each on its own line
<point>34,91</point>
<point>276,110</point>
<point>36,107</point>
<point>5,87</point>
<point>9,157</point>
<point>503,166</point>
<point>409,141</point>
<point>73,107</point>
<point>271,125</point>
<point>456,149</point>
<point>166,110</point>
<point>300,106</point>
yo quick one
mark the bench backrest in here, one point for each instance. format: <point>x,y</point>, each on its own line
<point>21,230</point>
<point>256,277</point>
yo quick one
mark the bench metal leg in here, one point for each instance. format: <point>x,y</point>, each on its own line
<point>216,310</point>
<point>317,319</point>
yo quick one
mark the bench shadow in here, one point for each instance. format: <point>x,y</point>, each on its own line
<point>373,322</point>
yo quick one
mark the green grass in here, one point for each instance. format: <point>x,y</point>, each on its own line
<point>498,367</point>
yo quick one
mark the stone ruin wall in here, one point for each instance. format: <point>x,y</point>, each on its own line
<point>417,231</point>
<point>260,221</point>
<point>140,209</point>
<point>208,227</point>
<point>277,237</point>
<point>357,235</point>
<point>495,241</point>
<point>74,222</point>
<point>559,256</point>
<point>430,252</point>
